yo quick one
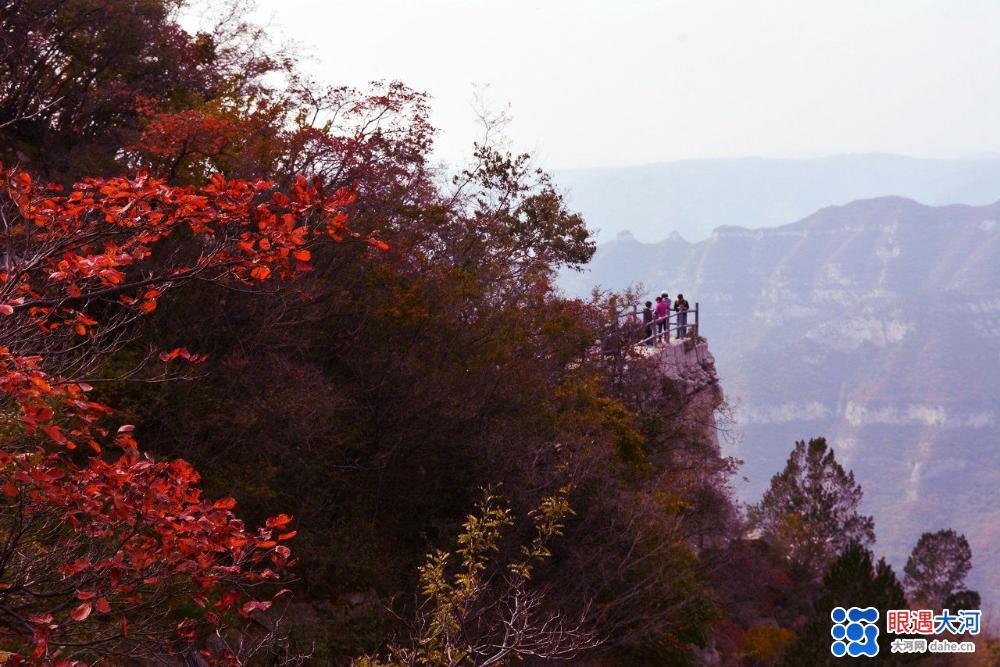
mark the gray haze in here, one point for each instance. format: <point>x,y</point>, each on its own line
<point>693,197</point>
<point>599,83</point>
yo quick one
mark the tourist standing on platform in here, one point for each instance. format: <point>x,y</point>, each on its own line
<point>681,306</point>
<point>666,300</point>
<point>647,320</point>
<point>662,313</point>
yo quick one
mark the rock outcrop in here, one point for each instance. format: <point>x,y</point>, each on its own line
<point>691,365</point>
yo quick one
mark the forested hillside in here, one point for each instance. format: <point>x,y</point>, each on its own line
<point>276,391</point>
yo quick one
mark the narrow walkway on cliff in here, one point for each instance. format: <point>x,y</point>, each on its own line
<point>628,329</point>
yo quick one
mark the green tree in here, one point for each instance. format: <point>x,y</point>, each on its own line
<point>852,580</point>
<point>811,509</point>
<point>937,567</point>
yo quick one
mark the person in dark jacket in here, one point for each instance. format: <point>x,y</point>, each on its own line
<point>681,307</point>
<point>647,320</point>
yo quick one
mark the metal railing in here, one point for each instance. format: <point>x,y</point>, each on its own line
<point>629,329</point>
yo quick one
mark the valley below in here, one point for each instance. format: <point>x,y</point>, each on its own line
<point>875,324</point>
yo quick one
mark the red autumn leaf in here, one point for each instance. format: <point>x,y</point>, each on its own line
<point>81,612</point>
<point>255,605</point>
<point>228,599</point>
<point>302,255</point>
<point>102,605</point>
<point>147,306</point>
<point>225,504</point>
<point>279,521</point>
<point>112,276</point>
<point>261,273</point>
<point>54,433</point>
<point>182,353</point>
<point>6,309</point>
<point>75,567</point>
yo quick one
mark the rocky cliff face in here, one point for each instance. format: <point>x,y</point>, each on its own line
<point>690,365</point>
<point>876,324</point>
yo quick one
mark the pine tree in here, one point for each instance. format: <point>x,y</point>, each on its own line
<point>811,510</point>
<point>937,567</point>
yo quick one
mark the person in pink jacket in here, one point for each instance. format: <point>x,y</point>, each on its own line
<point>662,313</point>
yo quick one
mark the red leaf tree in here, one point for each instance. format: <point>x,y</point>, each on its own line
<point>105,551</point>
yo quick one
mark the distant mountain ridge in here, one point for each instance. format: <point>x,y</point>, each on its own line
<point>876,324</point>
<point>693,197</point>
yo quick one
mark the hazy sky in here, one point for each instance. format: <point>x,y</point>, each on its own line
<point>613,82</point>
